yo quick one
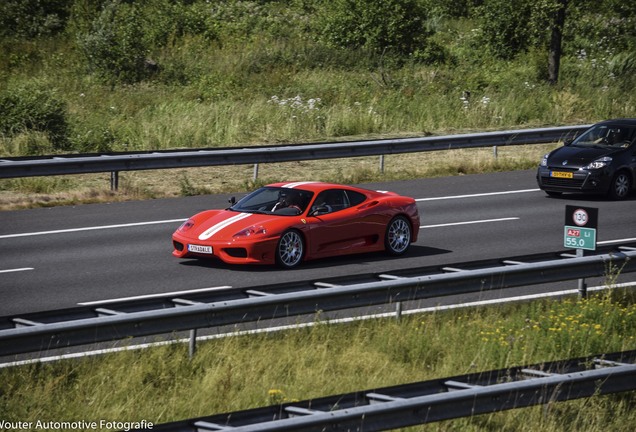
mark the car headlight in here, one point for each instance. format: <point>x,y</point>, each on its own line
<point>599,163</point>
<point>251,231</point>
<point>186,225</point>
<point>544,161</point>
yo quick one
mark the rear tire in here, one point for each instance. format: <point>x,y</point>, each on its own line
<point>398,236</point>
<point>290,249</point>
<point>620,186</point>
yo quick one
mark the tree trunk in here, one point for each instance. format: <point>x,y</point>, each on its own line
<point>554,56</point>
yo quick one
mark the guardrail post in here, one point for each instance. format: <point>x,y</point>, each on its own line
<point>398,310</point>
<point>255,176</point>
<point>382,163</point>
<point>494,152</point>
<point>192,347</point>
<point>582,284</point>
<point>114,180</point>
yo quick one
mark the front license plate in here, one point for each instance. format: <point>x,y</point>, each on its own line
<point>561,174</point>
<point>200,249</point>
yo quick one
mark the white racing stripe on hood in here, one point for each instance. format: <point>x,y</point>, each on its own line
<point>218,227</point>
<point>293,185</point>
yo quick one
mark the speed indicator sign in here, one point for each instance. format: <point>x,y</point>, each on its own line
<point>580,217</point>
<point>580,227</point>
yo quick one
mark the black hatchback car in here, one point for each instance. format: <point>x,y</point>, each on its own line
<point>602,160</point>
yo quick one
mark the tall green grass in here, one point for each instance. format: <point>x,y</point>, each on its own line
<point>240,372</point>
<point>210,95</point>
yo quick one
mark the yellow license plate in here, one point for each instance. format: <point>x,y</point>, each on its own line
<point>560,174</point>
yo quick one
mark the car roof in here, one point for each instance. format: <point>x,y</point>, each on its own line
<point>625,121</point>
<point>312,186</point>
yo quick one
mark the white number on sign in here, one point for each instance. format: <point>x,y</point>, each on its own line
<point>573,242</point>
<point>580,217</point>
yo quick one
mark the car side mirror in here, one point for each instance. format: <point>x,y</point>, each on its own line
<point>232,200</point>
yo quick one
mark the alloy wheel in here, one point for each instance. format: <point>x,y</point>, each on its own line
<point>290,249</point>
<point>398,236</point>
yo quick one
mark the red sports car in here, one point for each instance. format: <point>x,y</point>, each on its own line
<point>286,223</point>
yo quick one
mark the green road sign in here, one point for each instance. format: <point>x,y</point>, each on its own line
<point>579,238</point>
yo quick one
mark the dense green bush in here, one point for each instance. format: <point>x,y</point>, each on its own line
<point>115,47</point>
<point>31,108</point>
<point>510,28</point>
<point>32,18</point>
<point>506,26</point>
<point>240,21</point>
<point>451,8</point>
<point>394,27</point>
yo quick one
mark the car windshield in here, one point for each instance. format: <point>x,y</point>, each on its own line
<point>275,200</point>
<point>607,136</point>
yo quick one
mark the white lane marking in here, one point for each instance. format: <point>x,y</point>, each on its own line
<point>17,270</point>
<point>226,223</point>
<point>70,230</point>
<point>150,296</point>
<point>470,222</point>
<point>311,324</point>
<point>477,195</point>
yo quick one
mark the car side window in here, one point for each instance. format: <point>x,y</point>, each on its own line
<point>631,137</point>
<point>334,200</point>
<point>619,136</point>
<point>355,198</point>
<point>330,201</point>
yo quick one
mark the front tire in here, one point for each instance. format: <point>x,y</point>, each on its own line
<point>621,186</point>
<point>398,236</point>
<point>290,249</point>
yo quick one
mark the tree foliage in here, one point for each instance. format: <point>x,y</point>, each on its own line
<point>115,47</point>
<point>117,37</point>
<point>451,8</point>
<point>509,28</point>
<point>392,26</point>
<point>32,18</point>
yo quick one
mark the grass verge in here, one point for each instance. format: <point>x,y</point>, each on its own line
<point>162,384</point>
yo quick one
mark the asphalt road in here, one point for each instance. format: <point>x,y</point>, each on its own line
<point>58,257</point>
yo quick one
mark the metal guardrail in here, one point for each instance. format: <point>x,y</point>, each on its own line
<point>116,162</point>
<point>434,400</point>
<point>226,293</point>
<point>30,336</point>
